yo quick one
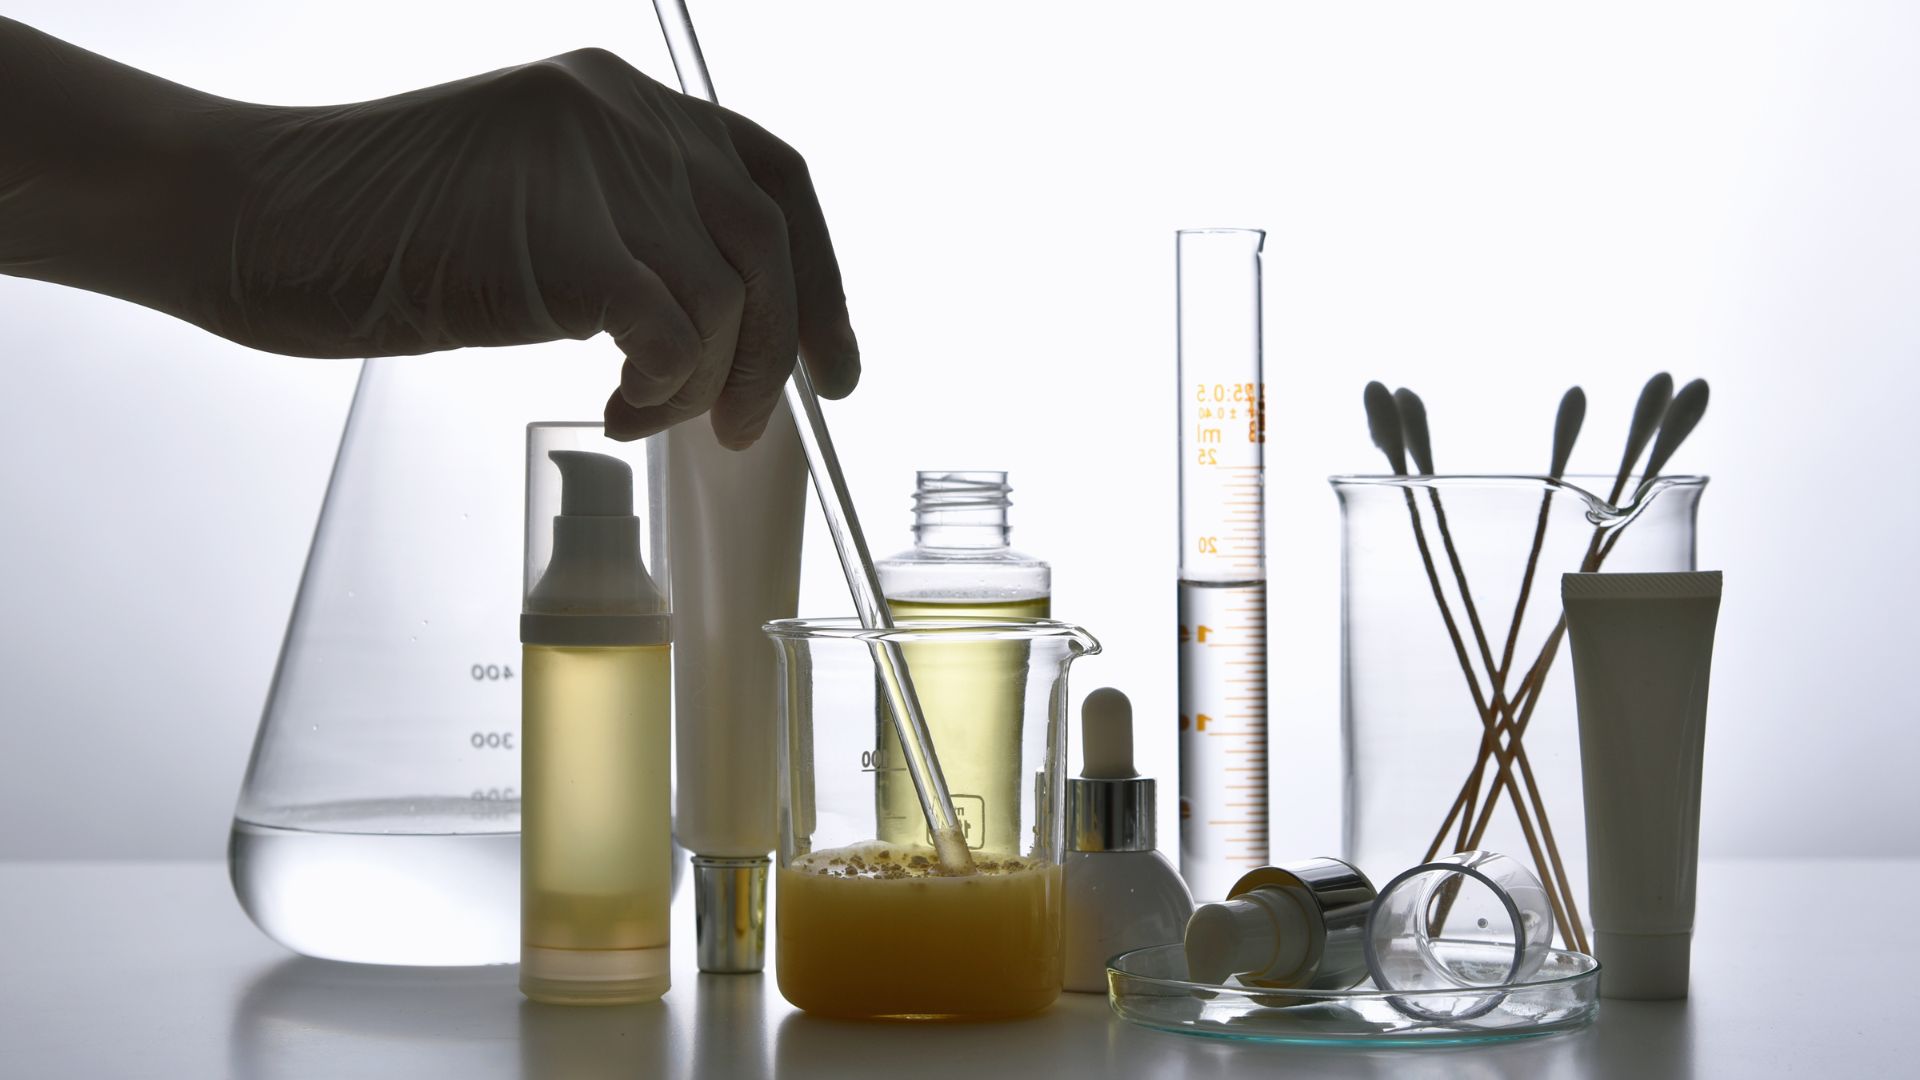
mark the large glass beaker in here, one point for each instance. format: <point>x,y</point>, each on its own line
<point>1418,693</point>
<point>869,925</point>
<point>379,820</point>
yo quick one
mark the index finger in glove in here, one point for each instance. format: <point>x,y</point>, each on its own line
<point>751,235</point>
<point>827,343</point>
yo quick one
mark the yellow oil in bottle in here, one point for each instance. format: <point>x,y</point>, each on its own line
<point>973,697</point>
<point>596,857</point>
<point>877,930</point>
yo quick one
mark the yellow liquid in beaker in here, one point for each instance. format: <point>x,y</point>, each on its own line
<point>596,862</point>
<point>973,696</point>
<point>876,931</point>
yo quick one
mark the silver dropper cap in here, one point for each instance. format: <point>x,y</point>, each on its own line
<point>1110,815</point>
<point>1109,806</point>
<point>730,913</point>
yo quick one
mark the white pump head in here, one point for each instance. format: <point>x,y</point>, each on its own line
<point>588,582</point>
<point>593,485</point>
<point>1266,935</point>
<point>1298,926</point>
<point>596,567</point>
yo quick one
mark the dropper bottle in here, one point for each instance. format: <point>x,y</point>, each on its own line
<point>1121,894</point>
<point>595,851</point>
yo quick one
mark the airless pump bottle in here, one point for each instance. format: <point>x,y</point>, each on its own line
<point>596,855</point>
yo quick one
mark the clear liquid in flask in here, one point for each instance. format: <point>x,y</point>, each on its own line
<point>370,881</point>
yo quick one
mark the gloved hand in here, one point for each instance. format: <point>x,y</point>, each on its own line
<point>560,199</point>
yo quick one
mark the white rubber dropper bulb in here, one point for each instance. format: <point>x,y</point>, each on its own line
<point>1106,736</point>
<point>1262,936</point>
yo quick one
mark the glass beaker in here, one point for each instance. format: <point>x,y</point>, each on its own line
<point>1423,780</point>
<point>380,816</point>
<point>868,927</point>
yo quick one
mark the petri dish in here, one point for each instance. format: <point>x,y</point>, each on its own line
<point>1149,987</point>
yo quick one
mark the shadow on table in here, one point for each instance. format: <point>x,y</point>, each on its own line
<point>1050,1044</point>
<point>305,1017</point>
<point>1629,1039</point>
<point>1647,1040</point>
<point>318,1018</point>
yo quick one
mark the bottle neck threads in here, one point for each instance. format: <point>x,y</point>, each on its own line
<point>961,510</point>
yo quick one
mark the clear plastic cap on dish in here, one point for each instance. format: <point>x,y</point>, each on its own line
<point>1467,922</point>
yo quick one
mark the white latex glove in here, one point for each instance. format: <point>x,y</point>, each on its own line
<point>561,199</point>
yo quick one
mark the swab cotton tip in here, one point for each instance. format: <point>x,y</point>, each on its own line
<point>1566,429</point>
<point>1647,414</point>
<point>1683,415</point>
<point>1413,425</point>
<point>1383,424</point>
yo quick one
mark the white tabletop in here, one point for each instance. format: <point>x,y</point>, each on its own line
<point>150,970</point>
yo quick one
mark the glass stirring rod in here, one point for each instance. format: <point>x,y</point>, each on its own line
<point>910,724</point>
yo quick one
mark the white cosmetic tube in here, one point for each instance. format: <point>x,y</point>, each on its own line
<point>738,516</point>
<point>1642,654</point>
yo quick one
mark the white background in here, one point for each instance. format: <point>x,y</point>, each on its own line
<point>1486,202</point>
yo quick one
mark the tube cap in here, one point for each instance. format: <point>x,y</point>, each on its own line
<point>730,913</point>
<point>1644,967</point>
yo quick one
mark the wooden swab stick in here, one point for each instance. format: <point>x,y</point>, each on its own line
<point>1681,416</point>
<point>1384,424</point>
<point>1566,431</point>
<point>1648,413</point>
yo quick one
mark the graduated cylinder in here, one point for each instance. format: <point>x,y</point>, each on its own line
<point>596,853</point>
<point>1223,570</point>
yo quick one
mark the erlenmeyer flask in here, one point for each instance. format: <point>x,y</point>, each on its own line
<point>379,820</point>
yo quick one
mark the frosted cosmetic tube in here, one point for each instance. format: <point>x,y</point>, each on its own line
<point>738,515</point>
<point>1642,653</point>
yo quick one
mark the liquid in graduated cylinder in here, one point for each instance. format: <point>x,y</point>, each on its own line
<point>974,696</point>
<point>596,854</point>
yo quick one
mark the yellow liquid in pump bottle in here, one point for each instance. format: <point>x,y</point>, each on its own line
<point>597,862</point>
<point>973,697</point>
<point>596,715</point>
